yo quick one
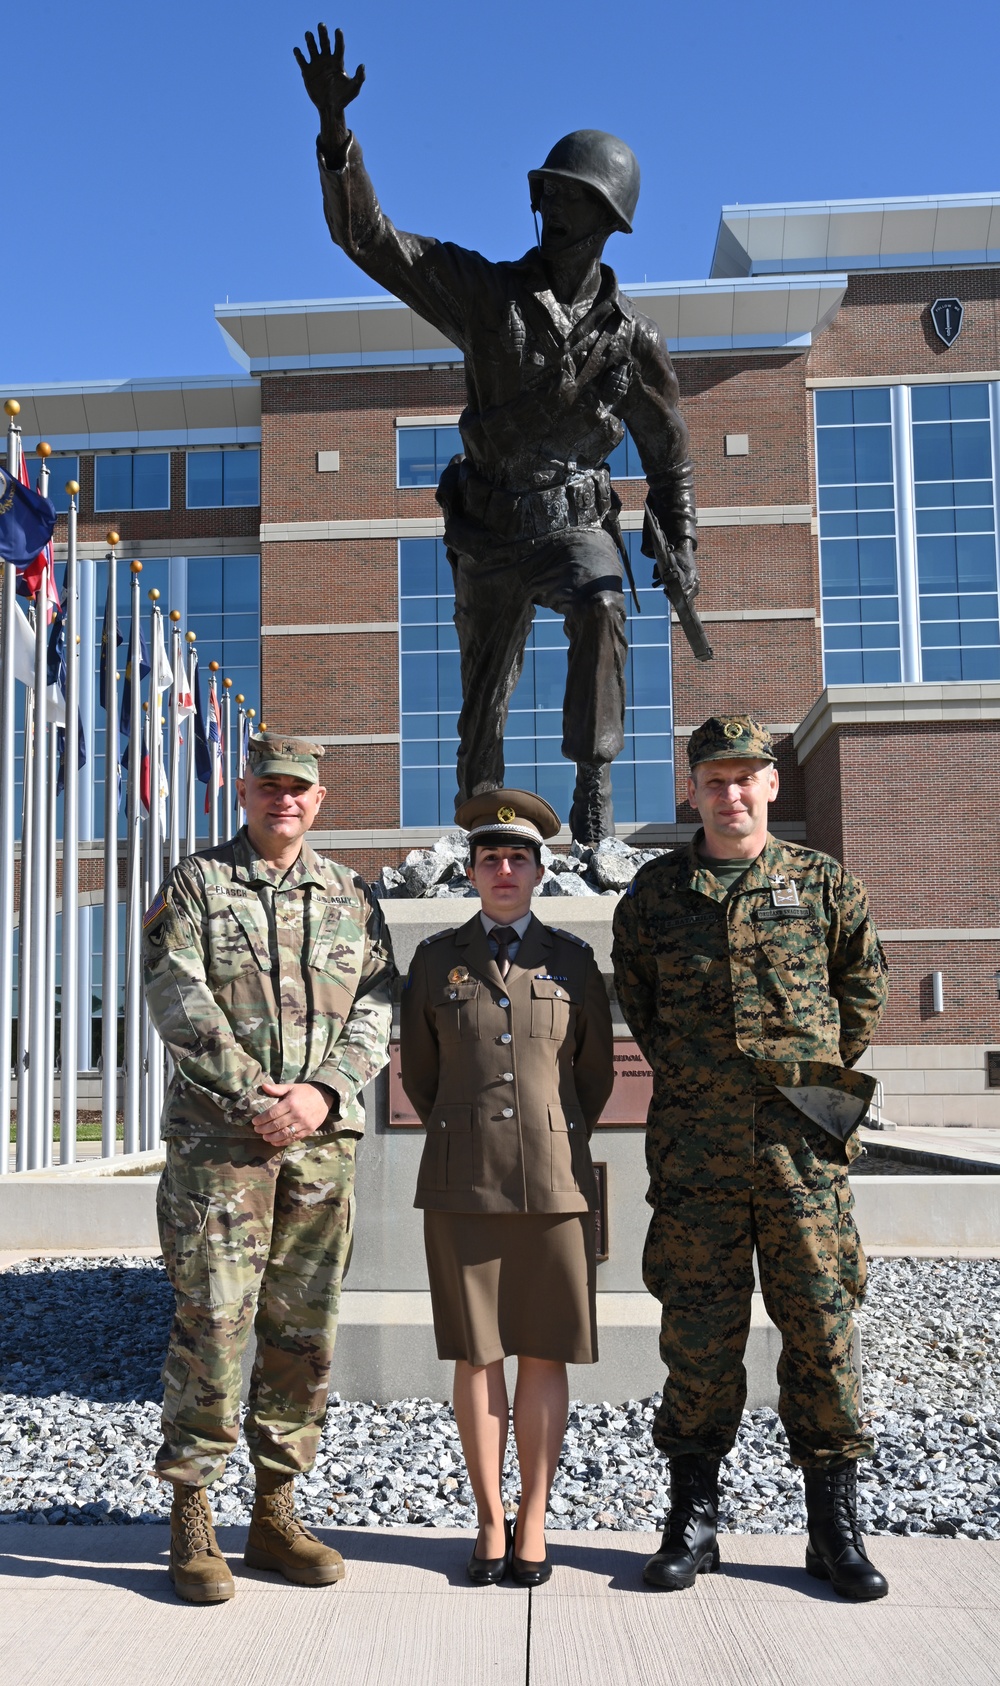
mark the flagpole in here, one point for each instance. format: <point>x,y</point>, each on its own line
<point>50,950</point>
<point>191,830</point>
<point>154,859</point>
<point>213,744</point>
<point>39,909</point>
<point>69,1048</point>
<point>133,892</point>
<point>7,698</point>
<point>174,727</point>
<point>241,720</point>
<point>251,716</point>
<point>24,933</point>
<point>109,957</point>
<point>227,757</point>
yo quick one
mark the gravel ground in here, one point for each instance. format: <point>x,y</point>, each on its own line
<point>81,1342</point>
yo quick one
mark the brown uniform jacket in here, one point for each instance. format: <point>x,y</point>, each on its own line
<point>508,1075</point>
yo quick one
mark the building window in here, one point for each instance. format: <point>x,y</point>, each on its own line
<point>907,523</point>
<point>624,460</point>
<point>431,693</point>
<point>955,533</point>
<point>223,479</point>
<point>857,537</point>
<point>423,453</point>
<point>132,481</point>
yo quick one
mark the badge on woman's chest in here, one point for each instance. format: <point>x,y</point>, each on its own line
<point>458,974</point>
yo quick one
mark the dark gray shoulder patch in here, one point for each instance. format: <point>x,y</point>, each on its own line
<point>571,936</point>
<point>435,936</point>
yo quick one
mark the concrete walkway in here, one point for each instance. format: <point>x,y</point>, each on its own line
<point>89,1606</point>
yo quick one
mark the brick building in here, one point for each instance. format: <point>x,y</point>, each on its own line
<point>840,374</point>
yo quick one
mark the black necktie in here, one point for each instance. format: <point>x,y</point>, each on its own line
<point>504,935</point>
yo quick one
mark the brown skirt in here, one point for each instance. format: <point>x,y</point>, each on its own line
<point>513,1284</point>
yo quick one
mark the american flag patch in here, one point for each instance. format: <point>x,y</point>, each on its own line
<point>157,906</point>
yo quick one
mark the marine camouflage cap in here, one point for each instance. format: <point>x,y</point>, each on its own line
<point>730,737</point>
<point>519,815</point>
<point>274,755</point>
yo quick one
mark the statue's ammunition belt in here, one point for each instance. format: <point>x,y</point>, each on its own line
<point>583,499</point>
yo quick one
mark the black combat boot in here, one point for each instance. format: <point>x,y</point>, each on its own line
<point>592,815</point>
<point>688,1547</point>
<point>835,1551</point>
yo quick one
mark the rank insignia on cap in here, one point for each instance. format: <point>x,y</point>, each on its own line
<point>733,729</point>
<point>506,815</point>
<point>458,974</point>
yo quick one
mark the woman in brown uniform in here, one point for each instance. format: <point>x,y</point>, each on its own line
<point>506,1049</point>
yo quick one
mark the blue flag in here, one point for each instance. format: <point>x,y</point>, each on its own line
<point>104,656</point>
<point>202,753</point>
<point>27,522</point>
<point>125,717</point>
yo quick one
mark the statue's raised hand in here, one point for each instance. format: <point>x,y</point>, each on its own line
<point>328,85</point>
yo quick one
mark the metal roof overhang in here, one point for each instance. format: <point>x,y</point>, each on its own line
<point>751,314</point>
<point>131,414</point>
<point>858,234</point>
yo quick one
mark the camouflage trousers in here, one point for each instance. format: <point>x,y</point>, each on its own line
<point>780,1190</point>
<point>251,1237</point>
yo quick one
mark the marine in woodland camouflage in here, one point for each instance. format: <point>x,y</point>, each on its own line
<point>254,975</point>
<point>737,1001</point>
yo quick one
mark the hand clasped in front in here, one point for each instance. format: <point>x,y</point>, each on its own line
<point>299,1111</point>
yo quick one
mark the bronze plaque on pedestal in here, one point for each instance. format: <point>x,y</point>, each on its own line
<point>627,1107</point>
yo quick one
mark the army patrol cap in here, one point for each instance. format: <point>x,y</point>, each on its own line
<point>274,755</point>
<point>518,815</point>
<point>730,737</point>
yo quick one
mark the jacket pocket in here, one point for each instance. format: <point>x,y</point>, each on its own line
<point>238,942</point>
<point>567,1134</point>
<point>446,1165</point>
<point>456,1013</point>
<point>853,1266</point>
<point>550,1005</point>
<point>204,1261</point>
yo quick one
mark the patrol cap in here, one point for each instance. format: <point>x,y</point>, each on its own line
<point>517,815</point>
<point>730,737</point>
<point>274,755</point>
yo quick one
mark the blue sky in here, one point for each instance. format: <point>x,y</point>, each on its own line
<point>164,154</point>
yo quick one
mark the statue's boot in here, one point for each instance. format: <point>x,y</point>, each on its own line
<point>592,815</point>
<point>835,1549</point>
<point>689,1547</point>
<point>278,1540</point>
<point>197,1567</point>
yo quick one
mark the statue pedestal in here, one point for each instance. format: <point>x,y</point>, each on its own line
<point>385,1347</point>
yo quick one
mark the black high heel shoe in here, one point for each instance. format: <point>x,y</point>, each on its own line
<point>489,1571</point>
<point>525,1573</point>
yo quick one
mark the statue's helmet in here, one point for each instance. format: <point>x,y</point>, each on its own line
<point>598,161</point>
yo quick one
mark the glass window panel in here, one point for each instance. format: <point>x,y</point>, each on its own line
<point>241,580</point>
<point>112,483</point>
<point>970,401</point>
<point>979,633</point>
<point>930,403</point>
<point>844,668</point>
<point>241,478</point>
<point>835,408</point>
<point>971,450</point>
<point>418,566</point>
<point>982,604</point>
<point>839,610</point>
<point>981,664</point>
<point>835,454</point>
<point>151,480</point>
<point>877,566</point>
<point>941,666</point>
<point>880,609</point>
<point>871,404</point>
<point>204,479</point>
<point>977,562</point>
<point>841,575</point>
<point>415,447</point>
<point>843,636</point>
<point>204,585</point>
<point>873,453</point>
<point>879,667</point>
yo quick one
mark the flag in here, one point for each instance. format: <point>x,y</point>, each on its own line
<point>55,696</point>
<point>24,647</point>
<point>202,753</point>
<point>104,656</point>
<point>214,737</point>
<point>27,522</point>
<point>30,579</point>
<point>163,676</point>
<point>183,698</point>
<point>125,716</point>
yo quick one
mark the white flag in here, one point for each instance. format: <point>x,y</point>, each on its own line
<point>24,647</point>
<point>183,698</point>
<point>162,676</point>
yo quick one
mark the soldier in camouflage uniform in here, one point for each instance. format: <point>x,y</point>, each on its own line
<point>268,977</point>
<point>753,979</point>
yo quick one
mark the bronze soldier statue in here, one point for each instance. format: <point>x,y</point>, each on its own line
<point>557,364</point>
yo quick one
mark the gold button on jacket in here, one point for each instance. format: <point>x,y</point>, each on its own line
<point>508,1094</point>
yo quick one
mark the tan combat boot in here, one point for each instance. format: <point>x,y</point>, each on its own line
<point>197,1567</point>
<point>278,1540</point>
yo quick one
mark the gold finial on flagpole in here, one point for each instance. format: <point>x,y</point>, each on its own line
<point>135,567</point>
<point>175,615</point>
<point>72,487</point>
<point>153,595</point>
<point>43,448</point>
<point>227,683</point>
<point>113,538</point>
<point>213,667</point>
<point>12,407</point>
<point>190,636</point>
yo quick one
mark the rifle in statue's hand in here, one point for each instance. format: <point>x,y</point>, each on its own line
<point>679,584</point>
